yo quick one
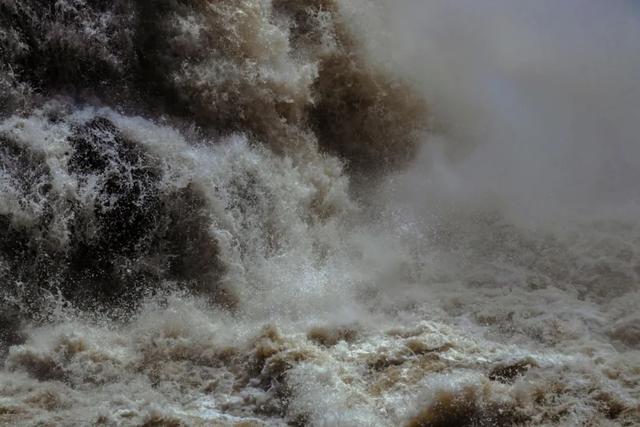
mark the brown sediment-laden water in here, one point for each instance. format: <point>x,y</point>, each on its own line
<point>319,213</point>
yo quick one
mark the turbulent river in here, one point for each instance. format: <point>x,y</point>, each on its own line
<point>319,213</point>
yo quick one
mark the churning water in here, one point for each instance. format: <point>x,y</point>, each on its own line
<point>319,213</point>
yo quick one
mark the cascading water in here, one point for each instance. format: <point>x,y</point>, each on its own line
<point>323,213</point>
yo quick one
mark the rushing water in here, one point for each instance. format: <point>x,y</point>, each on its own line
<point>322,213</point>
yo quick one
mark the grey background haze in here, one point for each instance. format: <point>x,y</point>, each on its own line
<point>539,101</point>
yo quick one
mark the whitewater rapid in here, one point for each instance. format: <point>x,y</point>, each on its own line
<point>317,213</point>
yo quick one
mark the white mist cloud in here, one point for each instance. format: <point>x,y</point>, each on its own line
<point>541,100</point>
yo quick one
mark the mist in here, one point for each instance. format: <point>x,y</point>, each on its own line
<point>537,103</point>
